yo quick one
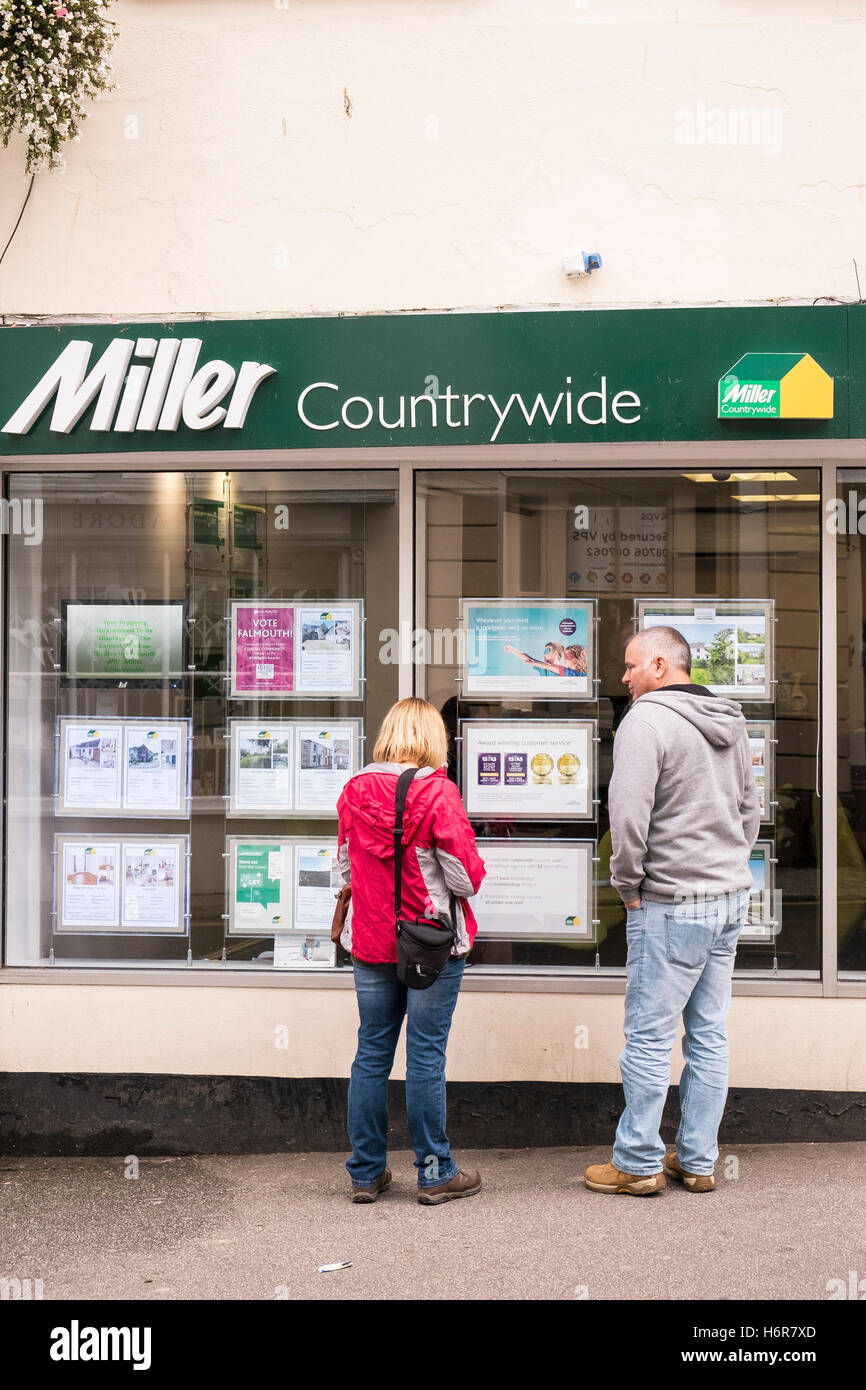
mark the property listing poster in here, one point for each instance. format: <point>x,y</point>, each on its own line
<point>151,900</point>
<point>90,879</point>
<point>326,649</point>
<point>731,643</point>
<point>542,648</point>
<point>619,550</point>
<point>536,888</point>
<point>762,923</point>
<point>324,762</point>
<point>528,768</point>
<point>155,766</point>
<point>262,648</point>
<point>261,887</point>
<point>261,773</point>
<point>91,765</point>
<point>317,881</point>
<point>761,752</point>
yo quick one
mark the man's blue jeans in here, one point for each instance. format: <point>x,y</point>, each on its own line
<point>680,961</point>
<point>382,1003</point>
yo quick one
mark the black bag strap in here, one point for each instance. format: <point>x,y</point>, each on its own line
<point>400,805</point>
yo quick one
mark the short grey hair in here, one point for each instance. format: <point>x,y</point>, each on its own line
<point>666,642</point>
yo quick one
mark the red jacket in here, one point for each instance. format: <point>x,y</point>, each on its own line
<point>439,855</point>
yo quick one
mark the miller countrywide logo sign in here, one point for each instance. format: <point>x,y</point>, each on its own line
<point>149,384</point>
<point>778,386</point>
<point>361,381</point>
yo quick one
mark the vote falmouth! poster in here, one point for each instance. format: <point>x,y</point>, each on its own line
<point>263,648</point>
<point>286,650</point>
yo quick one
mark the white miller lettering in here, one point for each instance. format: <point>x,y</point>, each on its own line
<point>141,397</point>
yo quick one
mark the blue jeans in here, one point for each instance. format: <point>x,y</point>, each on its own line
<point>680,961</point>
<point>382,1003</point>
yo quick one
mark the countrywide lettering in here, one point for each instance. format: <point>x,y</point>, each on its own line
<point>320,407</point>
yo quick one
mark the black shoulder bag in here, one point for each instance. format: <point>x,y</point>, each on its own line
<point>423,943</point>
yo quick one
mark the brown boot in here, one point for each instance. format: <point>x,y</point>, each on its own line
<point>603,1177</point>
<point>692,1182</point>
<point>461,1185</point>
<point>369,1194</point>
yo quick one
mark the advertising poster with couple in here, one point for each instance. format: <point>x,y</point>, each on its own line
<point>541,648</point>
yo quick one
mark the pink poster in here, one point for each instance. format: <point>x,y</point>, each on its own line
<point>263,649</point>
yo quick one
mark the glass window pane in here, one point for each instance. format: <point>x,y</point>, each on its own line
<point>620,535</point>
<point>851,764</point>
<point>134,567</point>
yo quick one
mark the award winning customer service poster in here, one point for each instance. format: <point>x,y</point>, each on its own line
<point>283,650</point>
<point>131,885</point>
<point>528,769</point>
<point>541,648</point>
<point>125,767</point>
<point>291,767</point>
<point>139,643</point>
<point>731,641</point>
<point>536,888</point>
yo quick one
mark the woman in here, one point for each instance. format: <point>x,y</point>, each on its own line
<point>439,858</point>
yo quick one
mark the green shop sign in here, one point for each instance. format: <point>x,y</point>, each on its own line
<point>778,386</point>
<point>402,380</point>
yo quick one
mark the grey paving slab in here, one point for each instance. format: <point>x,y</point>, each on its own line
<point>784,1223</point>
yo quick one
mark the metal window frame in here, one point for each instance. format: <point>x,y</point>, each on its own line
<point>826,455</point>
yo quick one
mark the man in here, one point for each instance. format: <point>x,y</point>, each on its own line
<point>684,815</point>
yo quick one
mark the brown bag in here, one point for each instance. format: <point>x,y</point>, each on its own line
<point>344,897</point>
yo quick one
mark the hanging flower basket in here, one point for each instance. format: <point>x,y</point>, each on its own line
<point>53,60</point>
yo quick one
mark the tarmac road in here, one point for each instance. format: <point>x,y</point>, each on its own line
<point>787,1221</point>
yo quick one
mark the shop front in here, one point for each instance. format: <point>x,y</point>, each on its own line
<point>231,545</point>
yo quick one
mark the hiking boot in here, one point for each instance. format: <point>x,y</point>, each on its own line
<point>369,1194</point>
<point>692,1182</point>
<point>603,1177</point>
<point>461,1185</point>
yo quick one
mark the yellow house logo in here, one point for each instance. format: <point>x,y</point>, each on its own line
<point>776,385</point>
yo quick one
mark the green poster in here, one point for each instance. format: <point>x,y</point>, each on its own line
<point>248,527</point>
<point>253,882</point>
<point>135,642</point>
<point>208,522</point>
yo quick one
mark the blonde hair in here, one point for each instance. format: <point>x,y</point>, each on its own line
<point>412,732</point>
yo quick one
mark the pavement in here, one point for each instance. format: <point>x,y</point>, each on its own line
<point>784,1222</point>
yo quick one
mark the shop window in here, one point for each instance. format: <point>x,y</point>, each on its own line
<point>732,554</point>
<point>192,669</point>
<point>849,522</point>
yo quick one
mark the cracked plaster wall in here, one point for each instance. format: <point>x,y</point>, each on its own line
<point>327,157</point>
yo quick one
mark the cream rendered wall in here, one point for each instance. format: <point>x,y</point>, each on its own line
<point>316,156</point>
<point>780,1043</point>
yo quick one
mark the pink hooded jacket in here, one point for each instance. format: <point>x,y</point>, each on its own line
<point>439,855</point>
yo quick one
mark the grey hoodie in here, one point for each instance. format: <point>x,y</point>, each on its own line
<point>684,809</point>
